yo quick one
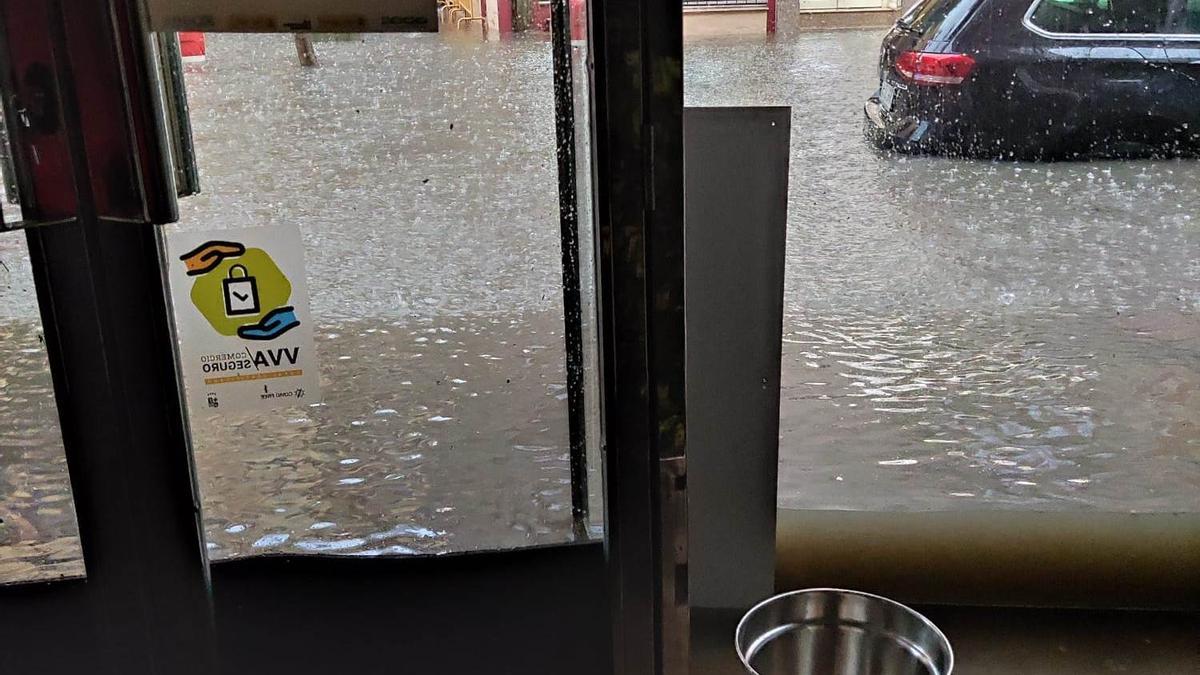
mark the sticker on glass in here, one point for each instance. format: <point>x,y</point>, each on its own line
<point>242,319</point>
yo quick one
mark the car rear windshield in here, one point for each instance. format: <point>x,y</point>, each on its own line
<point>928,17</point>
<point>1117,16</point>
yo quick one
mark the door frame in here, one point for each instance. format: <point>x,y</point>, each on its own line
<point>147,605</point>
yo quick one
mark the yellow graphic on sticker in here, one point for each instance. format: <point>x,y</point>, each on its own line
<point>240,291</point>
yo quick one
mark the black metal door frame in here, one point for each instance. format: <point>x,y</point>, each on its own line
<point>147,604</point>
<point>637,117</point>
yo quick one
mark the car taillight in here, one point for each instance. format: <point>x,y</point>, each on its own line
<point>927,68</point>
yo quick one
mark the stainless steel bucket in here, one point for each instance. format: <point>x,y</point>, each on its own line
<point>827,631</point>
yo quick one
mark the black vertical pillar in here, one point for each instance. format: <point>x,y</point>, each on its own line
<point>637,98</point>
<point>146,600</point>
<point>147,594</point>
<point>568,215</point>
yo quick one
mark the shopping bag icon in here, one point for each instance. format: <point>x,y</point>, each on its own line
<point>241,292</point>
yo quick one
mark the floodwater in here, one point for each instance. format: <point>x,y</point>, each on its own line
<point>971,334</point>
<point>38,535</point>
<point>958,334</point>
<point>429,211</point>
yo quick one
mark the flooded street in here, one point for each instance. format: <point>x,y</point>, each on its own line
<point>430,219</point>
<point>971,334</point>
<point>957,334</point>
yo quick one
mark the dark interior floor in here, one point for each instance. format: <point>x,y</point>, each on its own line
<point>539,611</point>
<point>532,611</point>
<point>991,641</point>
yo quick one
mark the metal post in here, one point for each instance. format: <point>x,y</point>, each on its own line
<point>564,127</point>
<point>305,50</point>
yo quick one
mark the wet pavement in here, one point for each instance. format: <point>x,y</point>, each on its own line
<point>957,334</point>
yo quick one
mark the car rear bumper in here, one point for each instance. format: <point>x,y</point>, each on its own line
<point>922,128</point>
<point>946,121</point>
<point>901,132</point>
<point>920,131</point>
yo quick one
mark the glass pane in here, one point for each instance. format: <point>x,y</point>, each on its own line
<point>39,539</point>
<point>927,17</point>
<point>965,328</point>
<point>1124,16</point>
<point>421,172</point>
<point>577,25</point>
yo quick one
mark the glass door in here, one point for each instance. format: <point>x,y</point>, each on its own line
<point>427,181</point>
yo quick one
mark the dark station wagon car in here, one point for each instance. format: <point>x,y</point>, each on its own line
<point>1041,79</point>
